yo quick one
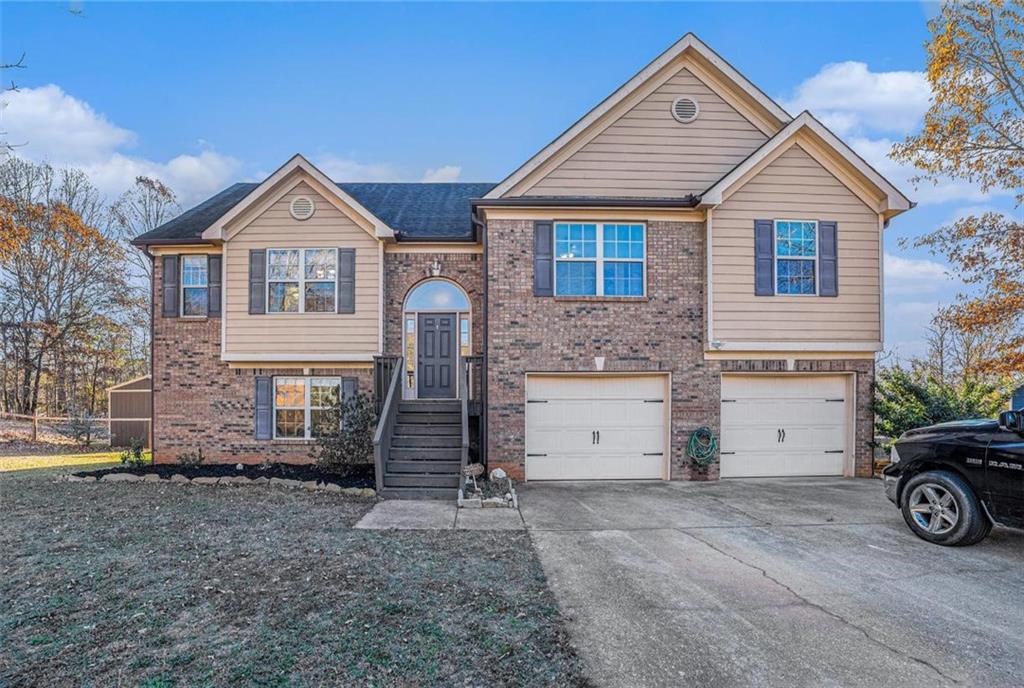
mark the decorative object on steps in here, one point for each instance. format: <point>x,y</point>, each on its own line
<point>473,470</point>
<point>498,474</point>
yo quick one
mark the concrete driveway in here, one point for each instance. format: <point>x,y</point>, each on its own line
<point>792,582</point>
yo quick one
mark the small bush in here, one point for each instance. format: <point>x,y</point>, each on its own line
<point>340,449</point>
<point>81,427</point>
<point>134,455</point>
<point>192,459</point>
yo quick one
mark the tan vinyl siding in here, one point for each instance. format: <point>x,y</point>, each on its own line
<point>796,187</point>
<point>302,333</point>
<point>647,153</point>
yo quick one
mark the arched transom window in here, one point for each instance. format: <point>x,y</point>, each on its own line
<point>437,295</point>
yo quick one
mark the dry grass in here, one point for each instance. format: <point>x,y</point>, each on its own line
<point>167,585</point>
<point>94,460</point>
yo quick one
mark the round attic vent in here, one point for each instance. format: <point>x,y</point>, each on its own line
<point>685,109</point>
<point>302,207</point>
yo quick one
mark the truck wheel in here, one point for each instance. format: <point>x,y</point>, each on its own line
<point>940,507</point>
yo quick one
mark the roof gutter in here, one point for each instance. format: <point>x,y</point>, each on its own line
<point>143,243</point>
<point>689,201</point>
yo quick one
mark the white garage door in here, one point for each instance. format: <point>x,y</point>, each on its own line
<point>595,427</point>
<point>783,425</point>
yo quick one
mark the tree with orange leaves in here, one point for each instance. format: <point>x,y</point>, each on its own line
<point>974,130</point>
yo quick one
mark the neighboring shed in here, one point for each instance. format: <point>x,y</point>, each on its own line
<point>129,406</point>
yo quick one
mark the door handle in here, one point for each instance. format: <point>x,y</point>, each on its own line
<point>599,437</point>
<point>783,435</point>
<point>778,435</point>
<point>593,436</point>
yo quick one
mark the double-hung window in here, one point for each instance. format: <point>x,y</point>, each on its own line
<point>600,259</point>
<point>302,280</point>
<point>304,406</point>
<point>195,285</point>
<point>796,257</point>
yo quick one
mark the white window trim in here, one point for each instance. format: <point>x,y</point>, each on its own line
<point>777,257</point>
<point>302,280</point>
<point>307,404</point>
<point>182,286</point>
<point>598,259</point>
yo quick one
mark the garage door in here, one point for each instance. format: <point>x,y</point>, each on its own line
<point>595,427</point>
<point>783,425</point>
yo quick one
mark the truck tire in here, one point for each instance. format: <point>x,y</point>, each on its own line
<point>940,507</point>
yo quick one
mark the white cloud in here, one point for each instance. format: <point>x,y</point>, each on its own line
<point>847,96</point>
<point>58,128</point>
<point>446,173</point>
<point>914,276</point>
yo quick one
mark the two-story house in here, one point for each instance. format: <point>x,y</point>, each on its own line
<point>685,255</point>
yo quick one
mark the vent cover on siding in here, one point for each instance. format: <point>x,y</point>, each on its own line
<point>302,208</point>
<point>685,109</point>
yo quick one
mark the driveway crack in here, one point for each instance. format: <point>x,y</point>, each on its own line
<point>838,617</point>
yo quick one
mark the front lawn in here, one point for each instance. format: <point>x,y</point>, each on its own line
<point>91,460</point>
<point>169,585</point>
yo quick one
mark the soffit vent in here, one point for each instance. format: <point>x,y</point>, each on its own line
<point>685,109</point>
<point>302,207</point>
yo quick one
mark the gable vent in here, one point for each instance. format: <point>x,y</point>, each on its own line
<point>302,208</point>
<point>685,109</point>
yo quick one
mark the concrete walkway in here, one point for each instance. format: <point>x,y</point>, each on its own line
<point>412,514</point>
<point>802,582</point>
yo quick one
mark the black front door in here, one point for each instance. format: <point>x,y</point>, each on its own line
<point>436,356</point>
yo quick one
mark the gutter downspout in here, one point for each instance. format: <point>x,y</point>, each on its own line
<point>484,401</point>
<point>152,352</point>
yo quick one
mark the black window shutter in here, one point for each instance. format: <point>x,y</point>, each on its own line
<point>764,258</point>
<point>170,277</point>
<point>543,259</point>
<point>257,281</point>
<point>264,409</point>
<point>214,279</point>
<point>828,258</point>
<point>346,280</point>
<point>349,387</point>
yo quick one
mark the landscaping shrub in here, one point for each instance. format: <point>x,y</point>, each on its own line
<point>81,427</point>
<point>192,459</point>
<point>134,455</point>
<point>345,435</point>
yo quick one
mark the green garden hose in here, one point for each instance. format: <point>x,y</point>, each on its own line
<point>702,447</point>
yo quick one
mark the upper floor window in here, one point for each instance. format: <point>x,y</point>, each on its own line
<point>302,280</point>
<point>796,257</point>
<point>195,285</point>
<point>605,259</point>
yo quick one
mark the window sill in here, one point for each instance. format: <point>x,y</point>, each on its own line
<point>193,317</point>
<point>605,299</point>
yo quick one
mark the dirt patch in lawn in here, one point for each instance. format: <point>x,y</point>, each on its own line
<point>164,585</point>
<point>360,476</point>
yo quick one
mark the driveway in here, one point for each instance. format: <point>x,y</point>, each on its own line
<point>791,582</point>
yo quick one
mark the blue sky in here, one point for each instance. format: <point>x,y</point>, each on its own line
<point>203,94</point>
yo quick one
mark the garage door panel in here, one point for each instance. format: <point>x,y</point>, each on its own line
<point>812,412</point>
<point>565,413</point>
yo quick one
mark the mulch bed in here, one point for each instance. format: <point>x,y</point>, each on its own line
<point>361,476</point>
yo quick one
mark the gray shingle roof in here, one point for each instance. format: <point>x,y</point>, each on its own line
<point>425,211</point>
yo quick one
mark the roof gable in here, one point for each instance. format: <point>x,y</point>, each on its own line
<point>284,179</point>
<point>689,51</point>
<point>835,155</point>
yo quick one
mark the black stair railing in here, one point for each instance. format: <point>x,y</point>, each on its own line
<point>383,371</point>
<point>386,418</point>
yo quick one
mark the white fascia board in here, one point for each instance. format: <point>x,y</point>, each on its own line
<point>687,42</point>
<point>795,346</point>
<point>300,358</point>
<point>215,232</point>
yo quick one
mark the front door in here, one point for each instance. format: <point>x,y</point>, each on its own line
<point>436,356</point>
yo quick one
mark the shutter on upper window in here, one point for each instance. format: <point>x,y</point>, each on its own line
<point>764,258</point>
<point>264,407</point>
<point>213,277</point>
<point>170,275</point>
<point>543,259</point>
<point>828,258</point>
<point>257,281</point>
<point>346,280</point>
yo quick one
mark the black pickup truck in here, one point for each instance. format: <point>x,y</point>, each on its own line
<point>953,481</point>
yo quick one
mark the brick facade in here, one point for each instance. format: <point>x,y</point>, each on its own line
<point>403,271</point>
<point>661,333</point>
<point>201,403</point>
